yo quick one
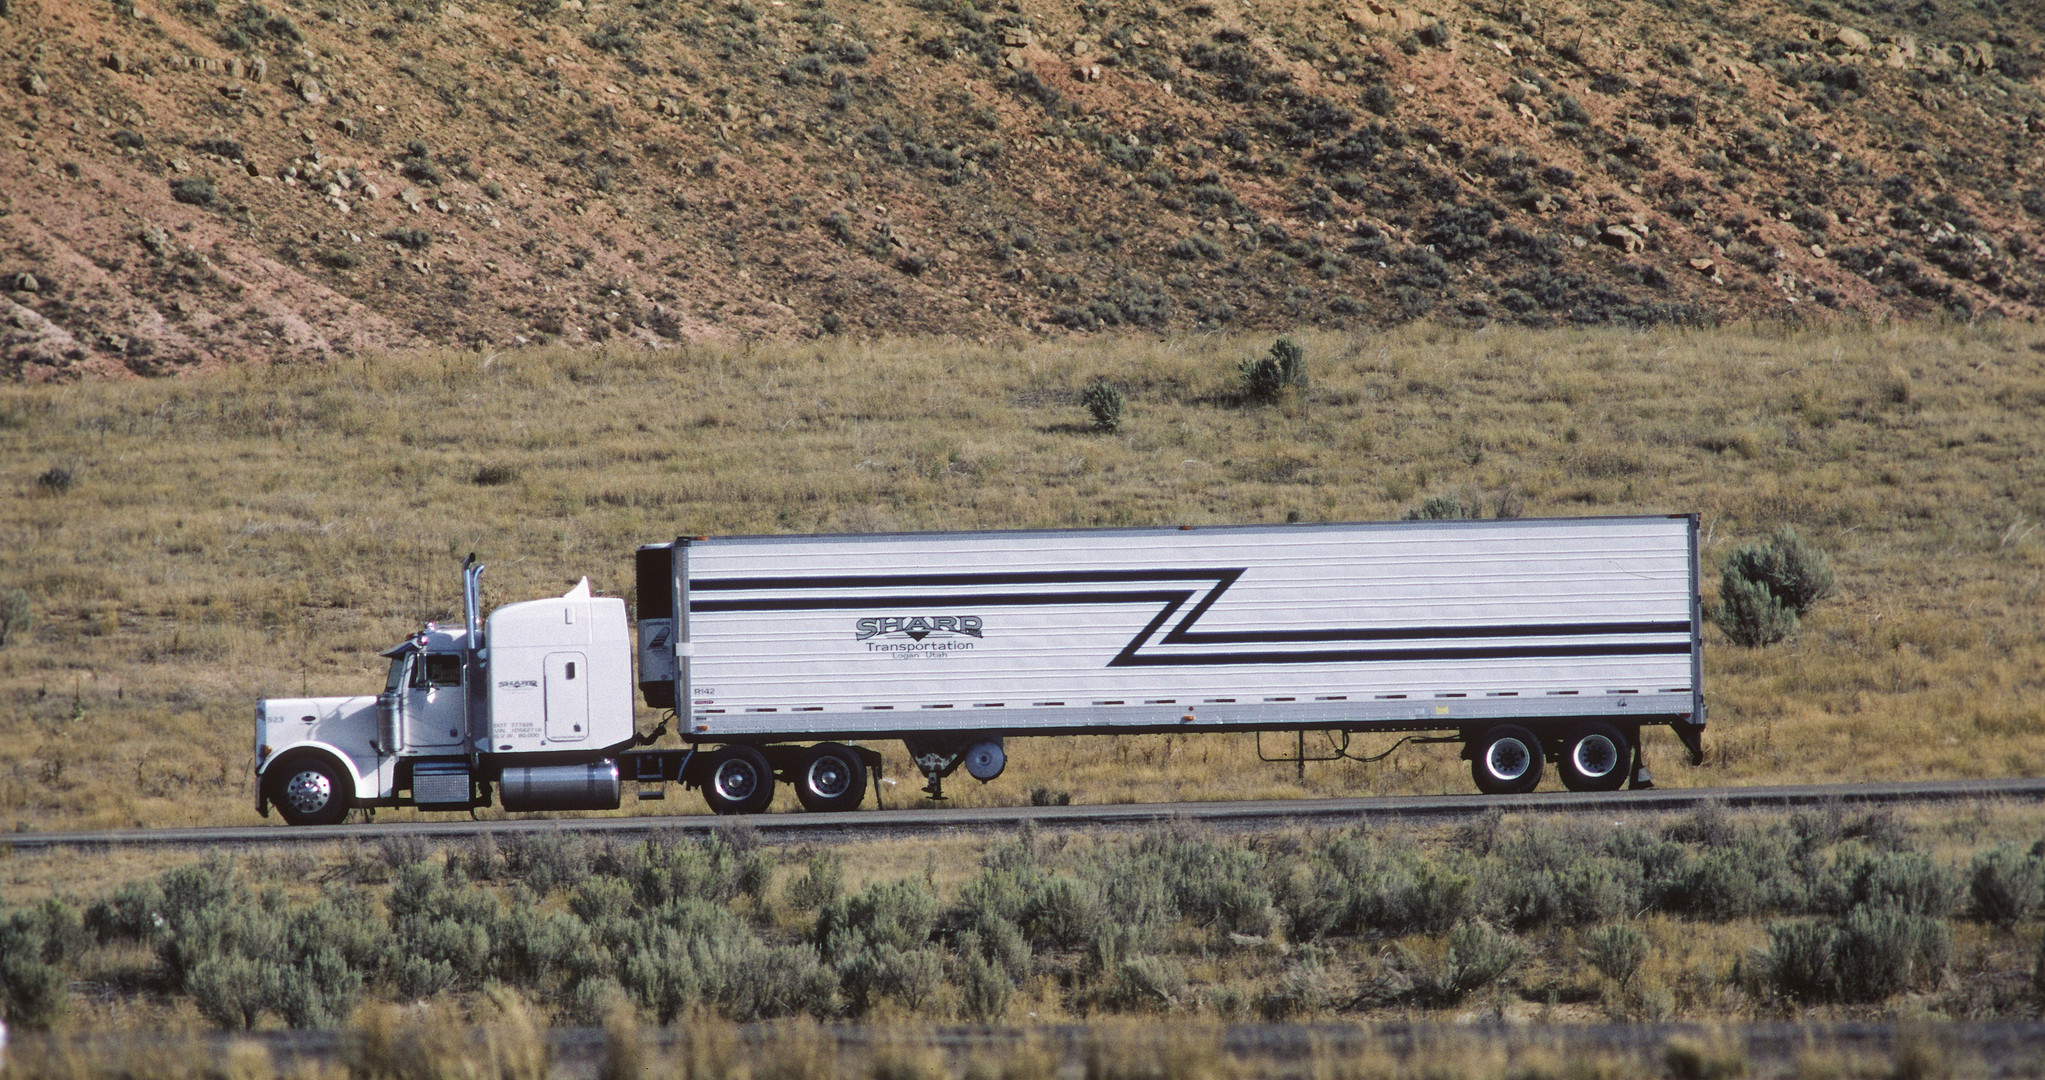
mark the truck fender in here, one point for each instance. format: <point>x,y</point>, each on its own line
<point>365,784</point>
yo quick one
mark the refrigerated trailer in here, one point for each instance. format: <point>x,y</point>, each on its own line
<point>1527,641</point>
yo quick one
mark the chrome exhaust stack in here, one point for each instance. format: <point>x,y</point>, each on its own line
<point>472,600</point>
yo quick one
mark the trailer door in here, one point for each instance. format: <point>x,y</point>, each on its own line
<point>567,697</point>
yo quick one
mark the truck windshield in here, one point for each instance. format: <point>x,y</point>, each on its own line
<point>396,681</point>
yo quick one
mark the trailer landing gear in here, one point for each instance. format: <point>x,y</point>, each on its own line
<point>983,757</point>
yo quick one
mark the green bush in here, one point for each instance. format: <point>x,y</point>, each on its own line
<point>900,913</point>
<point>546,860</point>
<point>2005,884</point>
<point>1146,982</point>
<point>1617,951</point>
<point>1906,881</point>
<point>1104,403</point>
<point>195,190</point>
<point>411,238</point>
<point>1302,989</point>
<point>1882,952</point>
<point>1874,954</point>
<point>1355,885</point>
<point>822,884</point>
<point>37,946</point>
<point>16,617</point>
<point>661,977</point>
<point>1749,614</point>
<point>1265,379</point>
<point>1764,589</point>
<point>1478,956</point>
<point>1444,508</point>
<point>985,987</point>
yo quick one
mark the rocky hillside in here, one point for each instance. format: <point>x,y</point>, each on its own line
<point>195,182</point>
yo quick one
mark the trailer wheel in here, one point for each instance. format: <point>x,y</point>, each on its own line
<point>1595,758</point>
<point>832,778</point>
<point>1506,760</point>
<point>740,781</point>
<point>307,790</point>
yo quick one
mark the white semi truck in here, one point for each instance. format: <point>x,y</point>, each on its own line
<point>1527,641</point>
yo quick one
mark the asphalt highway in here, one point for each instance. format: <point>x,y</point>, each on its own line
<point>926,821</point>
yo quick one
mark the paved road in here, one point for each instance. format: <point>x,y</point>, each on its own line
<point>1252,815</point>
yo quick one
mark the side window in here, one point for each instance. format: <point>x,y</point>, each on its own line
<point>444,670</point>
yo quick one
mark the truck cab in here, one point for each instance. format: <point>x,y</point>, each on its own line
<point>536,703</point>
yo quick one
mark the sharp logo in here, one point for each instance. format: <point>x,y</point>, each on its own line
<point>917,627</point>
<point>518,684</point>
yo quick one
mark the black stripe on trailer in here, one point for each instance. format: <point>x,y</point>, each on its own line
<point>1182,633</point>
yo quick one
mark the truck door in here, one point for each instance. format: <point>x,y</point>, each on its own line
<point>567,697</point>
<point>436,704</point>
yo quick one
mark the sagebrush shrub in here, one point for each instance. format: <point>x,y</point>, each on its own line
<point>1478,956</point>
<point>985,988</point>
<point>1874,954</point>
<point>1146,982</point>
<point>1764,589</point>
<point>16,616</point>
<point>823,883</point>
<point>195,190</point>
<point>1267,378</point>
<point>2005,884</point>
<point>1906,881</point>
<point>1617,951</point>
<point>1104,404</point>
<point>1748,614</point>
<point>1443,508</point>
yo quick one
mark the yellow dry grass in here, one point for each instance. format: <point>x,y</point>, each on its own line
<point>267,531</point>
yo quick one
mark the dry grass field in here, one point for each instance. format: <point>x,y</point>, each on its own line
<point>187,547</point>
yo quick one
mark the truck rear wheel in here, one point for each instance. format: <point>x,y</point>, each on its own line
<point>739,782</point>
<point>1506,760</point>
<point>1595,758</point>
<point>832,778</point>
<point>307,790</point>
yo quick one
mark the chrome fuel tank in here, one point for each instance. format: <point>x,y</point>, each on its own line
<point>593,786</point>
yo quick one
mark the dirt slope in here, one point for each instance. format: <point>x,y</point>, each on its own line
<point>195,182</point>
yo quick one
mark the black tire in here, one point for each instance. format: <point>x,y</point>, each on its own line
<point>308,789</point>
<point>1506,760</point>
<point>832,778</point>
<point>738,781</point>
<point>1596,757</point>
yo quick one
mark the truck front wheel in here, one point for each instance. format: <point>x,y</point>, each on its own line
<point>739,782</point>
<point>1506,760</point>
<point>307,790</point>
<point>832,778</point>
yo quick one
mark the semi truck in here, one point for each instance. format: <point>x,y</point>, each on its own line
<point>780,659</point>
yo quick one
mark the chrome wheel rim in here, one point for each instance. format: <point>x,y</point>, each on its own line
<point>309,792</point>
<point>1508,759</point>
<point>736,781</point>
<point>1595,756</point>
<point>828,777</point>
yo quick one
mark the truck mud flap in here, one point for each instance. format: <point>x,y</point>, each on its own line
<point>1693,739</point>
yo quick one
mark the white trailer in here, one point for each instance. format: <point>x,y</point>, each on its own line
<point>1526,641</point>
